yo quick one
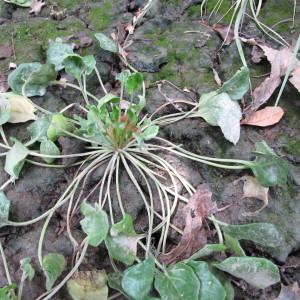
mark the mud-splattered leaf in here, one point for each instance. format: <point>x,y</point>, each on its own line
<point>234,245</point>
<point>134,82</point>
<point>95,224</point>
<point>122,241</point>
<point>27,268</point>
<point>267,116</point>
<point>38,129</point>
<point>36,6</point>
<point>48,147</point>
<point>15,159</point>
<point>208,250</point>
<point>53,265</point>
<point>179,283</point>
<point>4,209</point>
<point>88,286</point>
<point>268,168</point>
<point>291,292</point>
<point>59,125</point>
<point>194,236</point>
<point>137,280</point>
<point>57,52</point>
<point>259,272</point>
<point>238,85</point>
<point>4,110</point>
<point>31,79</point>
<point>21,108</point>
<point>264,234</point>
<point>106,43</point>
<point>219,110</point>
<point>210,286</point>
<point>23,3</point>
<point>225,32</point>
<point>6,51</point>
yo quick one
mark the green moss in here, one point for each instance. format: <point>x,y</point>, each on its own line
<point>194,11</point>
<point>101,17</point>
<point>212,5</point>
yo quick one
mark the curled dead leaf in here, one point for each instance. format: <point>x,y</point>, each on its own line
<point>252,189</point>
<point>194,235</point>
<point>267,116</point>
<point>225,32</point>
<point>36,6</point>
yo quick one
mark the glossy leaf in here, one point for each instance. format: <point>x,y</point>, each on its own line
<point>48,147</point>
<point>58,126</point>
<point>106,43</point>
<point>264,234</point>
<point>238,85</point>
<point>4,209</point>
<point>234,245</point>
<point>57,52</point>
<point>4,110</point>
<point>88,286</point>
<point>134,82</point>
<point>208,250</point>
<point>137,280</point>
<point>210,286</point>
<point>122,241</point>
<point>180,283</point>
<point>15,159</point>
<point>95,224</point>
<point>259,272</point>
<point>268,168</point>
<point>53,265</point>
<point>219,110</point>
<point>38,129</point>
<point>27,268</point>
<point>20,108</point>
<point>31,79</point>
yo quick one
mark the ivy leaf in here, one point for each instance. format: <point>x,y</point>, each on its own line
<point>179,283</point>
<point>238,85</point>
<point>106,43</point>
<point>7,292</point>
<point>27,268</point>
<point>219,110</point>
<point>15,159</point>
<point>150,132</point>
<point>4,209</point>
<point>133,82</point>
<point>88,286</point>
<point>31,79</point>
<point>4,110</point>
<point>123,76</point>
<point>89,64</point>
<point>208,250</point>
<point>211,287</point>
<point>259,272</point>
<point>264,234</point>
<point>137,280</point>
<point>268,168</point>
<point>58,125</point>
<point>53,265</point>
<point>138,107</point>
<point>21,109</point>
<point>115,282</point>
<point>107,99</point>
<point>57,52</point>
<point>48,147</point>
<point>233,244</point>
<point>95,224</point>
<point>38,129</point>
<point>122,241</point>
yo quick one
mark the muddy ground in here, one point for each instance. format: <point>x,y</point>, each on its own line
<point>161,49</point>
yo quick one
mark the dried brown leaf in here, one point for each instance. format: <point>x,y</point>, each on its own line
<point>36,6</point>
<point>225,32</point>
<point>6,51</point>
<point>295,77</point>
<point>84,40</point>
<point>4,87</point>
<point>194,235</point>
<point>130,28</point>
<point>217,77</point>
<point>291,292</point>
<point>270,115</point>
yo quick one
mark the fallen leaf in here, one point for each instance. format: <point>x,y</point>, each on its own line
<point>130,28</point>
<point>291,292</point>
<point>4,87</point>
<point>225,32</point>
<point>84,40</point>
<point>194,236</point>
<point>217,77</point>
<point>6,51</point>
<point>257,54</point>
<point>36,6</point>
<point>252,189</point>
<point>267,116</point>
<point>295,77</point>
